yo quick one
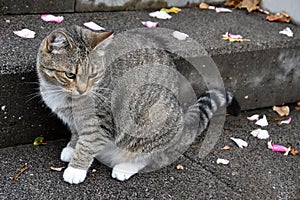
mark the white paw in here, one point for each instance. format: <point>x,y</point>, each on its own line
<point>73,175</point>
<point>124,171</point>
<point>66,154</point>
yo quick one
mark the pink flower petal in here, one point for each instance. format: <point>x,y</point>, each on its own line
<point>286,121</point>
<point>253,117</point>
<point>260,134</point>
<point>52,18</point>
<point>150,24</point>
<point>278,148</point>
<point>25,33</point>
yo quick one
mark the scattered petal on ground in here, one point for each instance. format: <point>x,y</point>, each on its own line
<point>25,33</point>
<point>225,147</point>
<point>160,15</point>
<point>218,10</point>
<point>222,161</point>
<point>150,24</point>
<point>263,11</point>
<point>179,167</point>
<point>93,26</point>
<point>282,110</point>
<point>279,17</point>
<point>262,122</point>
<point>234,37</point>
<point>253,117</point>
<point>278,148</point>
<point>52,18</point>
<point>241,143</point>
<point>287,121</point>
<point>39,141</point>
<point>260,134</point>
<point>298,106</point>
<point>171,10</point>
<point>59,169</point>
<point>179,35</point>
<point>287,31</point>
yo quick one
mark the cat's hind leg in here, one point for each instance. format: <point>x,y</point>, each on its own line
<point>124,171</point>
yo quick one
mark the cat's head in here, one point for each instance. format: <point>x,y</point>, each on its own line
<point>67,59</point>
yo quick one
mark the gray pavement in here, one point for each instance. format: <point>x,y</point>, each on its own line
<point>253,172</point>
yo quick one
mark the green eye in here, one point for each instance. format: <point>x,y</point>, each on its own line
<point>70,75</point>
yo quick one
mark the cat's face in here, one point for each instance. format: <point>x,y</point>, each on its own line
<point>67,60</point>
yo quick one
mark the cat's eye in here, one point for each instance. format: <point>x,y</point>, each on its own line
<point>70,75</point>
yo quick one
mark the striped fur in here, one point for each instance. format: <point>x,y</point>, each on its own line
<point>129,129</point>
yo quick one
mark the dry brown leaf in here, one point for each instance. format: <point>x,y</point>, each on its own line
<point>225,147</point>
<point>22,170</point>
<point>232,3</point>
<point>279,17</point>
<point>293,151</point>
<point>250,5</point>
<point>282,110</point>
<point>203,5</point>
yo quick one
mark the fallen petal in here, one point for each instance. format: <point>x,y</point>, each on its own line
<point>150,24</point>
<point>218,10</point>
<point>262,122</point>
<point>160,15</point>
<point>52,18</point>
<point>225,147</point>
<point>222,161</point>
<point>253,117</point>
<point>286,121</point>
<point>287,151</point>
<point>255,132</point>
<point>287,31</point>
<point>260,134</point>
<point>282,110</point>
<point>25,33</point>
<point>241,143</point>
<point>171,10</point>
<point>270,144</point>
<point>234,37</point>
<point>93,26</point>
<point>179,35</point>
<point>279,148</point>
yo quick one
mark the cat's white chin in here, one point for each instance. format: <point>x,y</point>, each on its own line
<point>74,176</point>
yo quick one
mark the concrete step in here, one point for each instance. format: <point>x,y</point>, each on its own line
<point>261,73</point>
<point>254,172</point>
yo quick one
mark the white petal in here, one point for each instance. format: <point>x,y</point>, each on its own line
<point>241,143</point>
<point>223,10</point>
<point>255,132</point>
<point>222,161</point>
<point>270,146</point>
<point>262,122</point>
<point>253,117</point>
<point>25,33</point>
<point>160,15</point>
<point>52,18</point>
<point>286,121</point>
<point>93,26</point>
<point>150,24</point>
<point>263,134</point>
<point>287,31</point>
<point>179,35</point>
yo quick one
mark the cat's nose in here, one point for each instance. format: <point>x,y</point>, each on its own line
<point>81,88</point>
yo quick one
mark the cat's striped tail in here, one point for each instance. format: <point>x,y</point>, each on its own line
<point>207,104</point>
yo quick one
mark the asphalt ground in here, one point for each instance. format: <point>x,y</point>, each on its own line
<point>254,172</point>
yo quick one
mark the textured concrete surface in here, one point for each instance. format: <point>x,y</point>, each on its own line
<point>262,72</point>
<point>253,172</point>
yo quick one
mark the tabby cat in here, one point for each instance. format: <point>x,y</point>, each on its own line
<point>124,112</point>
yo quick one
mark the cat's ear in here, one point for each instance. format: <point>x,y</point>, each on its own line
<point>101,39</point>
<point>57,42</point>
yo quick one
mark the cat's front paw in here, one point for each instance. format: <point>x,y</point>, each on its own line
<point>124,171</point>
<point>66,154</point>
<point>74,176</point>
